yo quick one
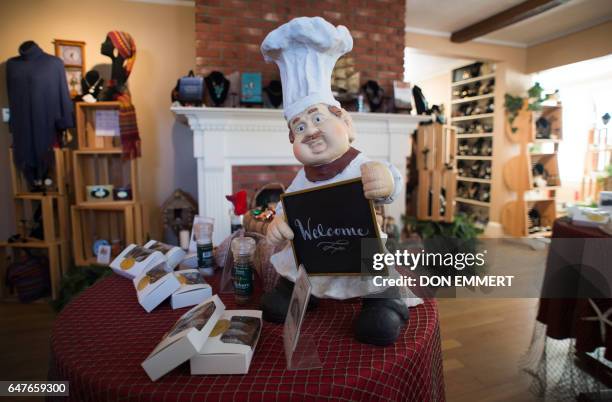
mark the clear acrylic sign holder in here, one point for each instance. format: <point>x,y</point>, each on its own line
<point>226,284</point>
<point>300,349</point>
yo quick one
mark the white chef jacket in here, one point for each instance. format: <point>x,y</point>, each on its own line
<point>337,287</point>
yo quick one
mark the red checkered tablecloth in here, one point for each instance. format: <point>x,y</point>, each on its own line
<point>100,339</point>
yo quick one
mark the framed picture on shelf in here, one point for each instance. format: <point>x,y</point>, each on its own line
<point>72,53</point>
<point>73,78</point>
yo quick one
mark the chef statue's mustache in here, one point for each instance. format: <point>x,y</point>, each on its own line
<point>312,137</point>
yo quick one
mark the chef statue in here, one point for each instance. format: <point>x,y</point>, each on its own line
<point>306,50</point>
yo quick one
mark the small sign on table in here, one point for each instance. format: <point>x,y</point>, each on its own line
<point>300,349</point>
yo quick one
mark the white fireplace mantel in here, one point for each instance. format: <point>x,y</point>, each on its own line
<point>226,137</point>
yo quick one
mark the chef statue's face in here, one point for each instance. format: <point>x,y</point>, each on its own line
<point>320,134</point>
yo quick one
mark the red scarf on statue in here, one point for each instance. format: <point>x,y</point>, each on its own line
<point>128,126</point>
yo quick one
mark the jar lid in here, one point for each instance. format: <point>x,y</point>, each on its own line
<point>243,245</point>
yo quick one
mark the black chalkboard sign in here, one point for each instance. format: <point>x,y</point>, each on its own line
<point>329,223</point>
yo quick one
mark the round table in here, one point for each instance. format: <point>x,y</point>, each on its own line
<point>100,339</point>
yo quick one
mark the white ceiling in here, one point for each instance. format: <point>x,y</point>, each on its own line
<point>420,66</point>
<point>445,16</point>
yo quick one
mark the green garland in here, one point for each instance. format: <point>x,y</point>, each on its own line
<point>76,281</point>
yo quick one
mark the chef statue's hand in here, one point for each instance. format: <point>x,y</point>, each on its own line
<point>377,180</point>
<point>278,231</point>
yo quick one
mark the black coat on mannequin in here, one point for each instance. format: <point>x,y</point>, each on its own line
<point>40,108</point>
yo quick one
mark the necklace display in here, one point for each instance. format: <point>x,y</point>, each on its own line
<point>91,91</point>
<point>218,87</point>
<point>374,94</point>
<point>274,90</point>
<point>92,87</point>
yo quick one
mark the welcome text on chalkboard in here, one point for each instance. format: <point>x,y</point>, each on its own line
<point>329,223</point>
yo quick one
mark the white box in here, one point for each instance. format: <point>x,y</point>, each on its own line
<point>220,357</point>
<point>134,259</point>
<point>156,284</point>
<point>190,261</point>
<point>590,217</point>
<point>174,255</point>
<point>184,339</point>
<point>193,289</point>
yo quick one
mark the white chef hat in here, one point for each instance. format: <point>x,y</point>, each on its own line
<point>306,50</point>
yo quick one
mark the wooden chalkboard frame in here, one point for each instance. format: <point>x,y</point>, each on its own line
<point>383,272</point>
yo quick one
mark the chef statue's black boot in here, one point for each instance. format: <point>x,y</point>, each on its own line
<point>275,303</point>
<point>381,319</point>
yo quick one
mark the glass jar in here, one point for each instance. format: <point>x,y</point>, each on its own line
<point>243,250</point>
<point>204,248</point>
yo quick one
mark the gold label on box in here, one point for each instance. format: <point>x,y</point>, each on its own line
<point>144,282</point>
<point>220,327</point>
<point>127,263</point>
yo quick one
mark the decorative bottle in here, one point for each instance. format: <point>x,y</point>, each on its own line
<point>243,249</point>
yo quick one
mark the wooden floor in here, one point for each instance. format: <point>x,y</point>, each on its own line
<point>25,332</point>
<point>482,341</point>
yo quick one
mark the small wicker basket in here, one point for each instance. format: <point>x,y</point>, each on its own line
<point>250,223</point>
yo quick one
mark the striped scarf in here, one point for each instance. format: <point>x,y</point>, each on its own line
<point>128,126</point>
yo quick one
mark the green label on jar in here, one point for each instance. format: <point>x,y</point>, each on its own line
<point>205,255</point>
<point>243,279</point>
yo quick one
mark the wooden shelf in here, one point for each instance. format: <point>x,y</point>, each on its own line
<point>97,151</point>
<point>472,98</point>
<point>31,243</point>
<point>473,117</point>
<point>474,135</point>
<point>36,196</point>
<point>470,80</point>
<point>542,154</point>
<point>103,205</point>
<point>545,140</point>
<point>543,233</point>
<point>474,179</point>
<point>99,105</point>
<point>545,188</point>
<point>473,202</point>
<point>473,158</point>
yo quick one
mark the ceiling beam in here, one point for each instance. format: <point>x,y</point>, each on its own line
<point>520,12</point>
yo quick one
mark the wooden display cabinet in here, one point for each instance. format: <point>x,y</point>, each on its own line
<point>538,152</point>
<point>104,168</point>
<point>99,161</point>
<point>548,213</point>
<point>50,210</point>
<point>88,135</point>
<point>60,175</point>
<point>473,98</point>
<point>435,157</point>
<point>121,222</point>
<point>52,207</point>
<point>58,263</point>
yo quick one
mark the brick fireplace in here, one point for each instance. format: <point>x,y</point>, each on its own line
<point>252,178</point>
<point>247,148</point>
